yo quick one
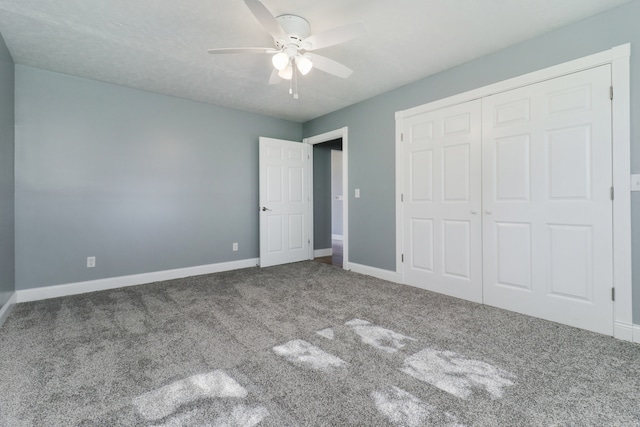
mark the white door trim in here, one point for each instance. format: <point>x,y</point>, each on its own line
<point>618,58</point>
<point>621,138</point>
<point>318,139</point>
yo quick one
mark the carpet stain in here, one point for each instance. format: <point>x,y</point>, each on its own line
<point>303,353</point>
<point>457,374</point>
<point>401,407</point>
<point>377,336</point>
<point>164,401</point>
<point>326,333</point>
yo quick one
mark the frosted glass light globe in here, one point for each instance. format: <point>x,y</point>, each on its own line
<point>280,61</point>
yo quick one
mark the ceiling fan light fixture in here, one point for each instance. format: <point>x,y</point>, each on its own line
<point>286,73</point>
<point>304,65</point>
<point>280,61</point>
<point>293,54</point>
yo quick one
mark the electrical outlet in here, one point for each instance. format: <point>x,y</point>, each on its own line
<point>635,182</point>
<point>91,261</point>
<point>235,247</point>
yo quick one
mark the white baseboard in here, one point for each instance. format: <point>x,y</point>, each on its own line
<point>56,291</point>
<point>621,331</point>
<point>337,237</point>
<point>379,273</point>
<point>636,333</point>
<point>624,331</point>
<point>6,308</point>
<point>318,253</point>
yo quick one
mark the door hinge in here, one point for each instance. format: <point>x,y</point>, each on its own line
<point>308,241</point>
<point>612,193</point>
<point>402,257</point>
<point>610,92</point>
<point>613,294</point>
<point>402,197</point>
<point>401,136</point>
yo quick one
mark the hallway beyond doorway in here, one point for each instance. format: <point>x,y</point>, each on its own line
<point>336,257</point>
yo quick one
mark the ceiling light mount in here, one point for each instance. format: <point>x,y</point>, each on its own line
<point>296,27</point>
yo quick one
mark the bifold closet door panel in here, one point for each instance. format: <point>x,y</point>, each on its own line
<point>441,210</point>
<point>547,209</point>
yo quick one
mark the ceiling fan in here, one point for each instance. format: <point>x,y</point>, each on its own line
<point>294,46</point>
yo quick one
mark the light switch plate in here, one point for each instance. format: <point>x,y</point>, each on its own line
<point>357,193</point>
<point>635,182</point>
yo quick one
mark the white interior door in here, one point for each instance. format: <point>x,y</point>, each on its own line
<point>442,228</point>
<point>284,201</point>
<point>547,215</point>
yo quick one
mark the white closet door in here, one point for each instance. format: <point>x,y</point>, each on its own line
<point>441,211</point>
<point>547,209</point>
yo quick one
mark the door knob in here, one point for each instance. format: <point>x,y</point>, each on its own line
<point>488,212</point>
<point>265,209</point>
<point>474,212</point>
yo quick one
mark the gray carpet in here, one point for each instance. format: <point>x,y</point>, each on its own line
<point>306,344</point>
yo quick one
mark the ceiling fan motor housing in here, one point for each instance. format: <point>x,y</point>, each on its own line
<point>296,27</point>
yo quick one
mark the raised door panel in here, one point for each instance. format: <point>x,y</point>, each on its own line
<point>570,261</point>
<point>513,168</point>
<point>296,185</point>
<point>421,245</point>
<point>570,162</point>
<point>456,170</point>
<point>513,255</point>
<point>456,241</point>
<point>275,233</point>
<point>296,231</point>
<point>275,184</point>
<point>421,171</point>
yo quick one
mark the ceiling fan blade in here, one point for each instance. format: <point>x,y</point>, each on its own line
<point>330,66</point>
<point>275,78</point>
<point>244,50</point>
<point>333,36</point>
<point>268,21</point>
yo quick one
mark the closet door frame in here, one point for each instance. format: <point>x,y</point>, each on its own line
<point>619,58</point>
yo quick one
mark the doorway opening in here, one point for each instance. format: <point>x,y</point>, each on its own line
<point>329,201</point>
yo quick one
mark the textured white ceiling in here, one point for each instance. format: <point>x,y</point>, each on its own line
<point>161,45</point>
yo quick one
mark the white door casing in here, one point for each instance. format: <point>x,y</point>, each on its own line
<point>342,133</point>
<point>284,201</point>
<point>441,211</point>
<point>547,208</point>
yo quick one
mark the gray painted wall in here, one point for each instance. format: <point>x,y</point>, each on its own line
<point>321,197</point>
<point>322,192</point>
<point>336,190</point>
<point>7,256</point>
<point>372,125</point>
<point>141,181</point>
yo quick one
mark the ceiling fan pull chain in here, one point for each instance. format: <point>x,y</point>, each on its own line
<point>295,84</point>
